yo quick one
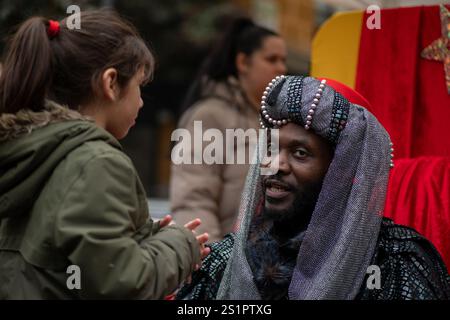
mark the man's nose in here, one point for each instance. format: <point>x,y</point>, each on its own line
<point>283,162</point>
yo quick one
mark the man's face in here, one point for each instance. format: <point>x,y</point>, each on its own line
<point>304,158</point>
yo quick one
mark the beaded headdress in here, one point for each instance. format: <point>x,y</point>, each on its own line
<point>339,112</point>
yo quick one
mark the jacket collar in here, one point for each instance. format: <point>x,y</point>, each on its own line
<point>231,91</point>
<point>13,125</point>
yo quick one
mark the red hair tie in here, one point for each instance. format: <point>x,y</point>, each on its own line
<point>53,28</point>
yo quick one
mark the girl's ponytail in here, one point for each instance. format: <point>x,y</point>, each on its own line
<point>27,68</point>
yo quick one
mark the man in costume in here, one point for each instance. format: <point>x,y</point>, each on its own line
<point>314,229</point>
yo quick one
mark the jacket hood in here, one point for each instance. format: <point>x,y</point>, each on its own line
<point>32,144</point>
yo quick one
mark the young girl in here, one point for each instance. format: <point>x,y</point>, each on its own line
<point>74,221</point>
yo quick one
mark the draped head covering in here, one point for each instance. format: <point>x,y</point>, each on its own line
<point>340,239</point>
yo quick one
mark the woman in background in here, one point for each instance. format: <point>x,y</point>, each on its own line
<point>225,95</point>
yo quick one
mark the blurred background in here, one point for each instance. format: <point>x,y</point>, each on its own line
<point>181,33</point>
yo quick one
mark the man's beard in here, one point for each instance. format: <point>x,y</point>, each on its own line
<point>291,221</point>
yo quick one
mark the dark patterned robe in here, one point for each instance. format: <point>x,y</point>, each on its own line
<point>411,268</point>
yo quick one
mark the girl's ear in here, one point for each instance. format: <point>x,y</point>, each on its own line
<point>110,86</point>
<point>242,63</point>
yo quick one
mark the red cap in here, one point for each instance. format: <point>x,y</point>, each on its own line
<point>348,93</point>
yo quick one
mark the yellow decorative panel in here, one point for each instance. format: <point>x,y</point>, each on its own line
<point>335,48</point>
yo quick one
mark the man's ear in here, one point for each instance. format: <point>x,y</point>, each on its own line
<point>242,62</point>
<point>110,85</point>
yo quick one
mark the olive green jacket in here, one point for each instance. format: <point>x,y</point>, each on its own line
<point>70,197</point>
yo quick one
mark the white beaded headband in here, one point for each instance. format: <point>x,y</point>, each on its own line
<point>279,122</point>
<point>264,112</point>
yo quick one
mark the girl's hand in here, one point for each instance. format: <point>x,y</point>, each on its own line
<point>204,251</point>
<point>164,222</point>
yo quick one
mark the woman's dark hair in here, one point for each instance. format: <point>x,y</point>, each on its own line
<point>242,35</point>
<point>67,68</point>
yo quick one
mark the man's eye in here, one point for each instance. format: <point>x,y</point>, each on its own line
<point>300,153</point>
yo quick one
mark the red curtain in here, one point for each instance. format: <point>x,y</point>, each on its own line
<point>409,97</point>
<point>408,93</point>
<point>419,196</point>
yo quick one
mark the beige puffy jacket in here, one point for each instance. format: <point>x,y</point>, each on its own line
<point>213,192</point>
